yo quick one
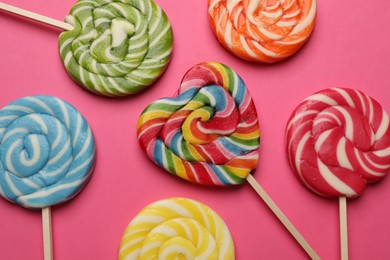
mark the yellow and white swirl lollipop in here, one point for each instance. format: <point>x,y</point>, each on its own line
<point>177,228</point>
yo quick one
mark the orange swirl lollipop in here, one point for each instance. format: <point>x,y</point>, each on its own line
<point>262,30</point>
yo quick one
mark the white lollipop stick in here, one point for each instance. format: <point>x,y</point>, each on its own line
<point>47,238</point>
<point>282,218</point>
<point>37,17</point>
<point>343,228</point>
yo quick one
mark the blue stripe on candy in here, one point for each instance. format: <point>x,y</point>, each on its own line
<point>231,147</point>
<point>219,174</point>
<point>218,94</point>
<point>240,92</point>
<point>157,154</point>
<point>175,145</point>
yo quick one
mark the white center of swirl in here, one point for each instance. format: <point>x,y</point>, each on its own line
<point>120,29</point>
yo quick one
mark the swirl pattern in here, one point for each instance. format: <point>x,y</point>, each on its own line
<point>177,228</point>
<point>117,47</point>
<point>338,140</point>
<point>47,151</point>
<point>262,31</point>
<point>208,133</point>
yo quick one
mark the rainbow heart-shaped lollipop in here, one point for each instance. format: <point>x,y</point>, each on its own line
<point>208,133</point>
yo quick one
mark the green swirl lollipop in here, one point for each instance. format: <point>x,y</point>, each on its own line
<point>112,47</point>
<point>116,48</point>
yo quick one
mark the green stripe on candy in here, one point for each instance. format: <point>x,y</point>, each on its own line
<point>169,108</point>
<point>247,142</point>
<point>232,79</point>
<point>170,164</point>
<point>186,152</point>
<point>231,174</point>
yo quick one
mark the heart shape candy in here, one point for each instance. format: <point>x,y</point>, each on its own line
<point>208,133</point>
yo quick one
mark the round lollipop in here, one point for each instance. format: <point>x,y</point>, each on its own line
<point>113,48</point>
<point>177,228</point>
<point>262,31</point>
<point>47,154</point>
<point>337,141</point>
<point>208,133</point>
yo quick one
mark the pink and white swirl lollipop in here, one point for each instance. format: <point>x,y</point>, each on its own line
<point>337,141</point>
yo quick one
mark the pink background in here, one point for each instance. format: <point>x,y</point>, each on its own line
<point>349,48</point>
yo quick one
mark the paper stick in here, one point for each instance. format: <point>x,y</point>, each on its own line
<point>343,228</point>
<point>37,17</point>
<point>280,215</point>
<point>47,238</point>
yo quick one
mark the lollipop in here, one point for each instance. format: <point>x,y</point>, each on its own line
<point>47,154</point>
<point>262,31</point>
<point>177,228</point>
<point>113,48</point>
<point>337,141</point>
<point>208,133</point>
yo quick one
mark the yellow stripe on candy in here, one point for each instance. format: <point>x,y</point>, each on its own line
<point>188,251</point>
<point>179,167</point>
<point>223,72</point>
<point>152,115</point>
<point>240,172</point>
<point>195,154</point>
<point>169,243</point>
<point>247,136</point>
<point>192,105</point>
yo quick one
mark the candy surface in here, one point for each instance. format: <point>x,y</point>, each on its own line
<point>338,140</point>
<point>117,47</point>
<point>47,151</point>
<point>177,228</point>
<point>208,133</point>
<point>262,31</point>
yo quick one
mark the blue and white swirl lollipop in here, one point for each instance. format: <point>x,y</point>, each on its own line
<point>47,151</point>
<point>47,154</point>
